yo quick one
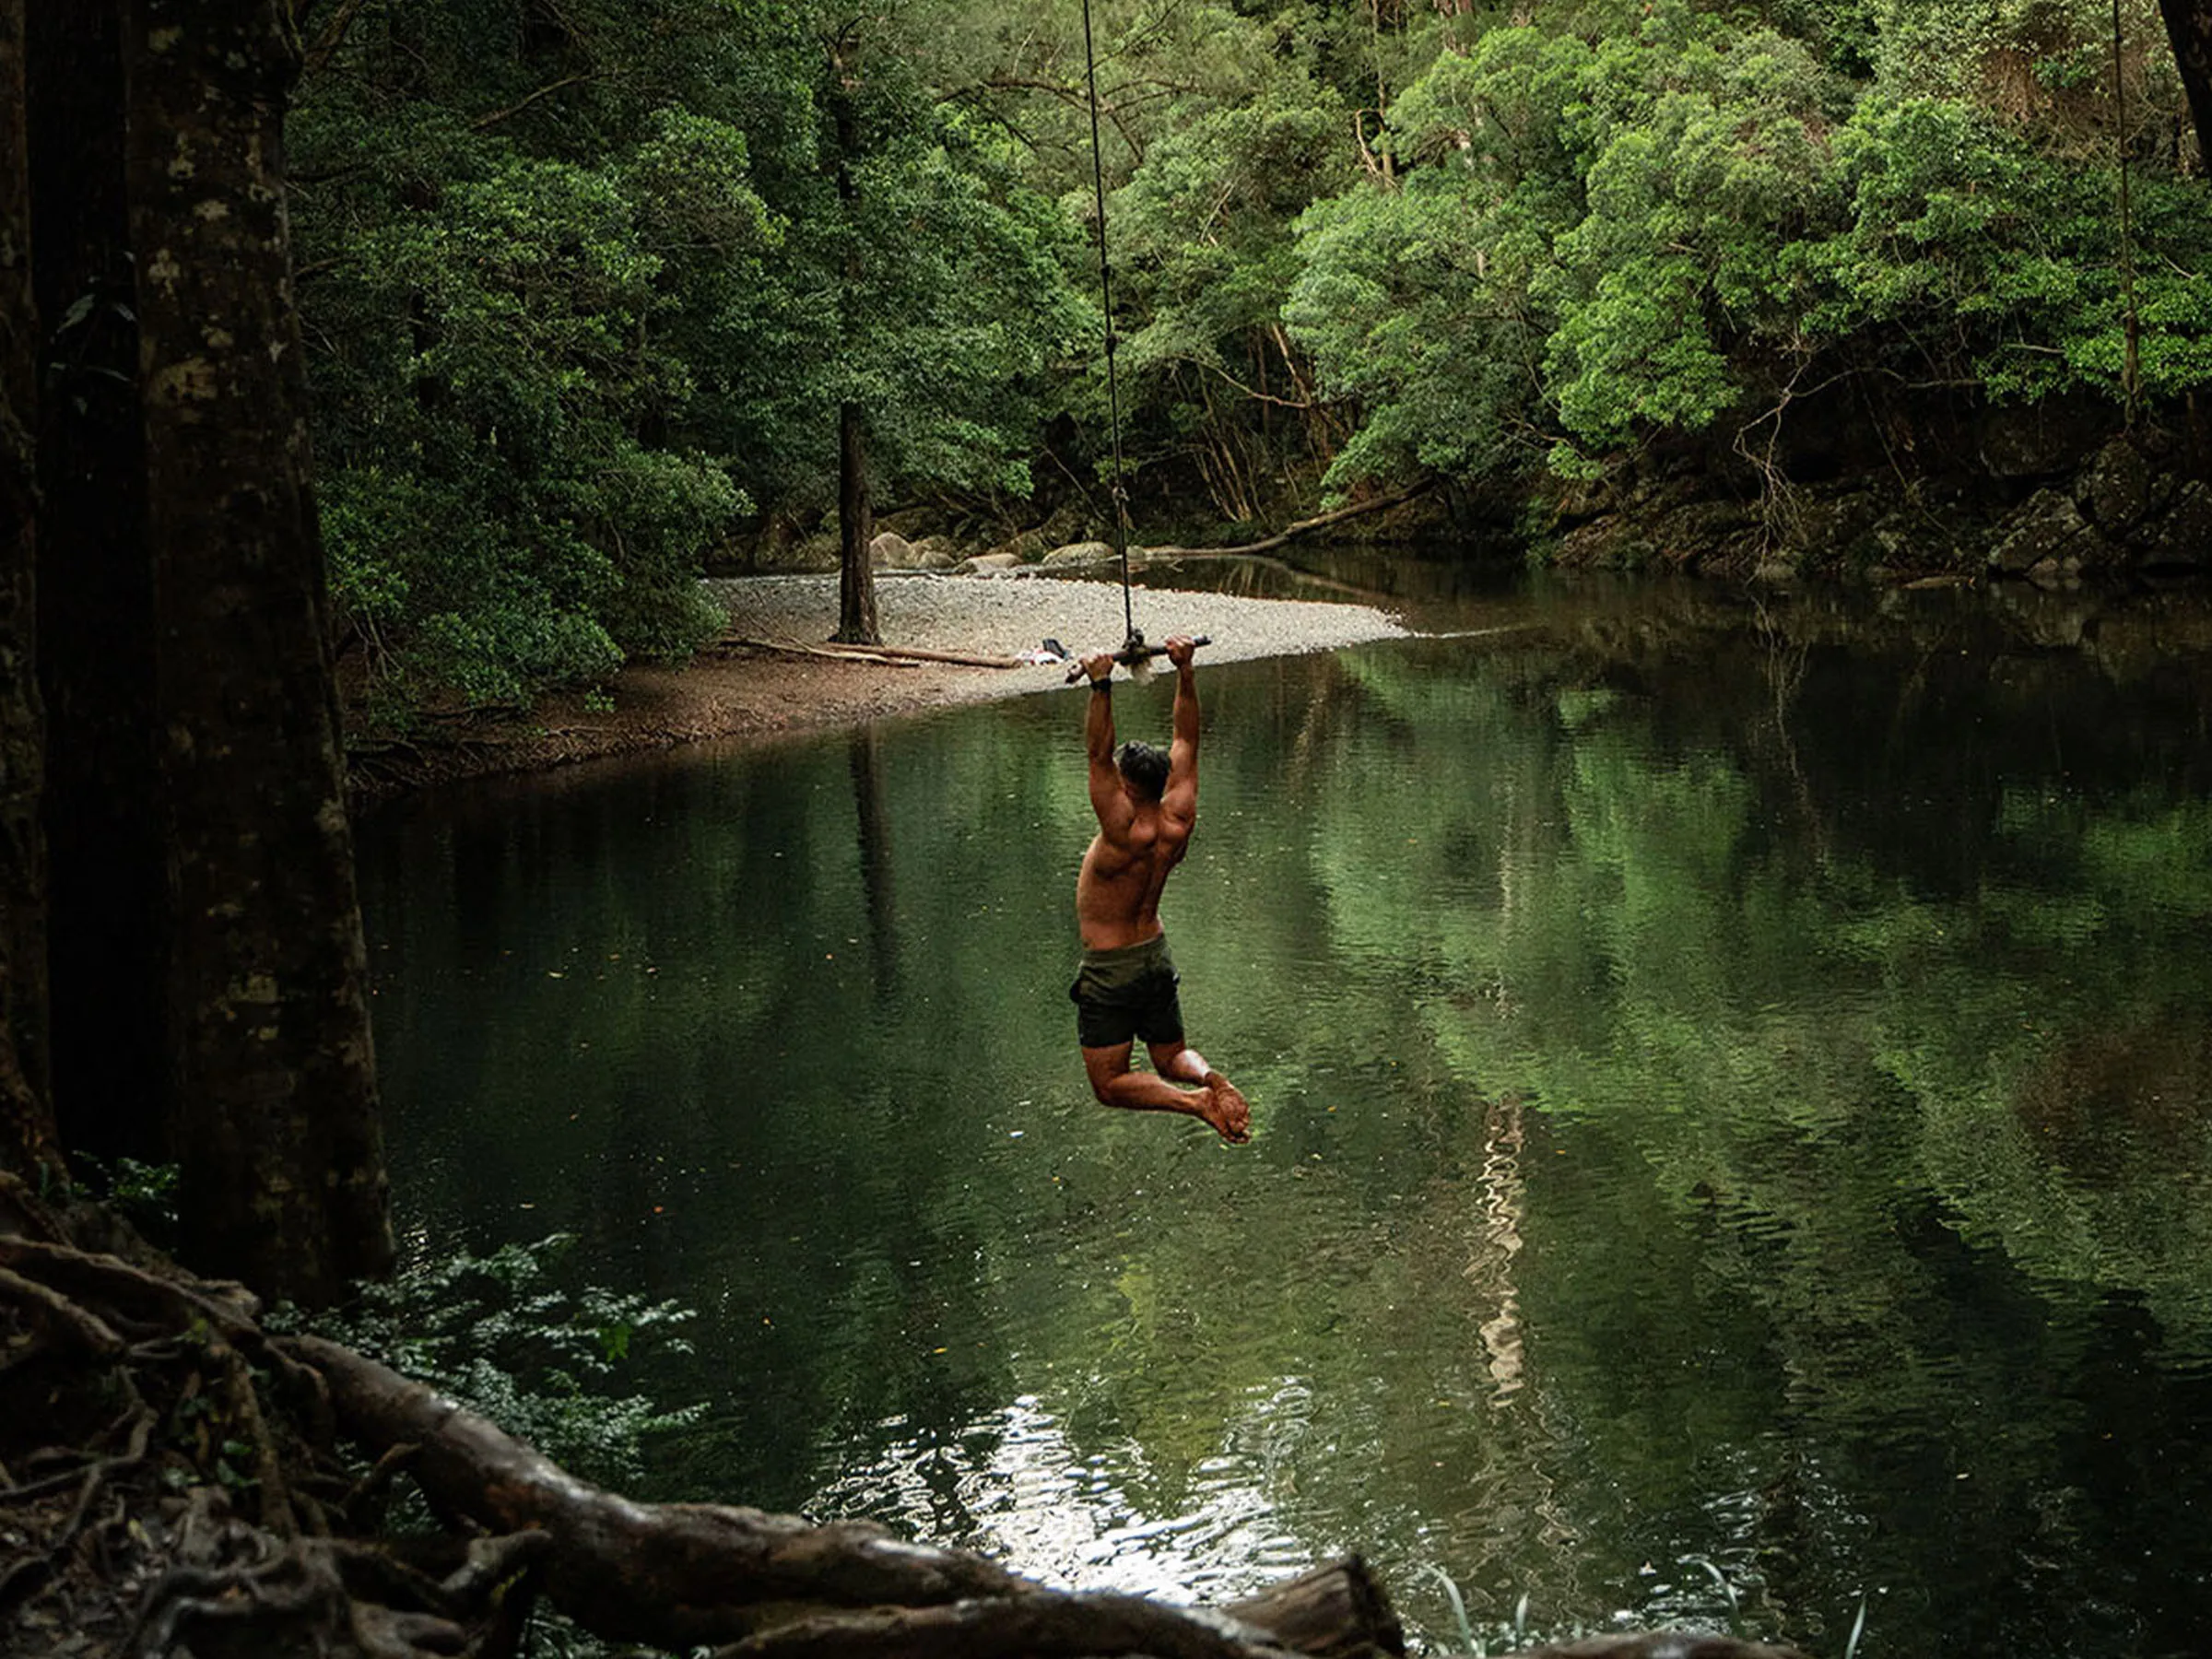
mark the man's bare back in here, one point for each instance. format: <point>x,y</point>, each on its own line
<point>1147,805</point>
<point>1117,894</point>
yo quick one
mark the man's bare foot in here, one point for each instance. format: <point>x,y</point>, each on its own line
<point>1221,1105</point>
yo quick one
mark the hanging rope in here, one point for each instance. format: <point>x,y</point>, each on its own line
<point>2131,371</point>
<point>1113,395</point>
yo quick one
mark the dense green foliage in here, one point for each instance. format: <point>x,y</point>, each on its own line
<point>586,285</point>
<point>506,1335</point>
<point>1597,240</point>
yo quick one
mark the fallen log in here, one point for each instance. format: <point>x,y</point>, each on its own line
<point>792,647</point>
<point>879,653</point>
<point>687,1574</point>
<point>1036,1625</point>
<point>1337,1611</point>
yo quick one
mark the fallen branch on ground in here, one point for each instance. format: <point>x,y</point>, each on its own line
<point>895,655</point>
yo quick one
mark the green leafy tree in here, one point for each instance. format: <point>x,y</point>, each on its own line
<point>1703,166</point>
<point>922,296</point>
<point>512,242</point>
<point>1970,258</point>
<point>1204,231</point>
<point>1417,297</point>
<point>1593,239</point>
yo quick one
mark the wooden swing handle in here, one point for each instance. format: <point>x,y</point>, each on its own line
<point>1131,658</point>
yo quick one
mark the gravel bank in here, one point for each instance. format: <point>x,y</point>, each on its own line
<point>744,694</point>
<point>1004,615</point>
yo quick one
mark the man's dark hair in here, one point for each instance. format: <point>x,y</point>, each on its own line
<point>1145,766</point>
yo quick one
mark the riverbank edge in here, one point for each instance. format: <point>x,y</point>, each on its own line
<point>765,680</point>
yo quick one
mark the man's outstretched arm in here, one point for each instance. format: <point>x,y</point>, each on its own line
<point>1098,734</point>
<point>1181,793</point>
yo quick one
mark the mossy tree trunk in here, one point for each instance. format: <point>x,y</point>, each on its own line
<point>274,1115</point>
<point>27,1139</point>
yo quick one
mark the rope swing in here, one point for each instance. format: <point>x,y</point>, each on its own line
<point>1134,653</point>
<point>1135,642</point>
<point>2131,366</point>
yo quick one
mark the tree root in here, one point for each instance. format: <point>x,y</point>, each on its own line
<point>679,1575</point>
<point>185,1518</point>
<point>145,1301</point>
<point>150,1492</point>
<point>88,1333</point>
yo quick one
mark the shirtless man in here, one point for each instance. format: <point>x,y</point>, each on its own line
<point>1147,804</point>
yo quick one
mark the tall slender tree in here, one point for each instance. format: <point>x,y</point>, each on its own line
<point>856,619</point>
<point>275,1121</point>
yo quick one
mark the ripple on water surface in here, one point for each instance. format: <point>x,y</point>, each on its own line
<point>1011,1483</point>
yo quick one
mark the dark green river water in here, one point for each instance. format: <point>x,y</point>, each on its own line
<point>1731,1092</point>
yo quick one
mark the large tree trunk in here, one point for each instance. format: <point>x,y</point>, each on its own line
<point>276,1120</point>
<point>27,1139</point>
<point>2189,26</point>
<point>107,890</point>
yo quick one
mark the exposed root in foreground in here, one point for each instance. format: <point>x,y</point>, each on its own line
<point>174,1479</point>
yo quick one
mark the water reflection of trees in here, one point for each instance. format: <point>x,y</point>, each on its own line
<point>1926,1075</point>
<point>1732,1146</point>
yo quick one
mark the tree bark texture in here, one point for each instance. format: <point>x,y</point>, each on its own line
<point>681,1574</point>
<point>107,889</point>
<point>275,1113</point>
<point>27,1140</point>
<point>2189,27</point>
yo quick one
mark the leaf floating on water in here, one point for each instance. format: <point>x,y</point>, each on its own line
<point>555,973</point>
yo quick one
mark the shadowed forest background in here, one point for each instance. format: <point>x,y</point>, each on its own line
<point>590,293</point>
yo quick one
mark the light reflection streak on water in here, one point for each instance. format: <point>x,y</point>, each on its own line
<point>1011,1485</point>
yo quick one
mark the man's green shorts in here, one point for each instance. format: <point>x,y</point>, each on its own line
<point>1127,993</point>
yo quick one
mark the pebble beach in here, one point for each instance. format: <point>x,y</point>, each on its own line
<point>768,679</point>
<point>1004,615</point>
